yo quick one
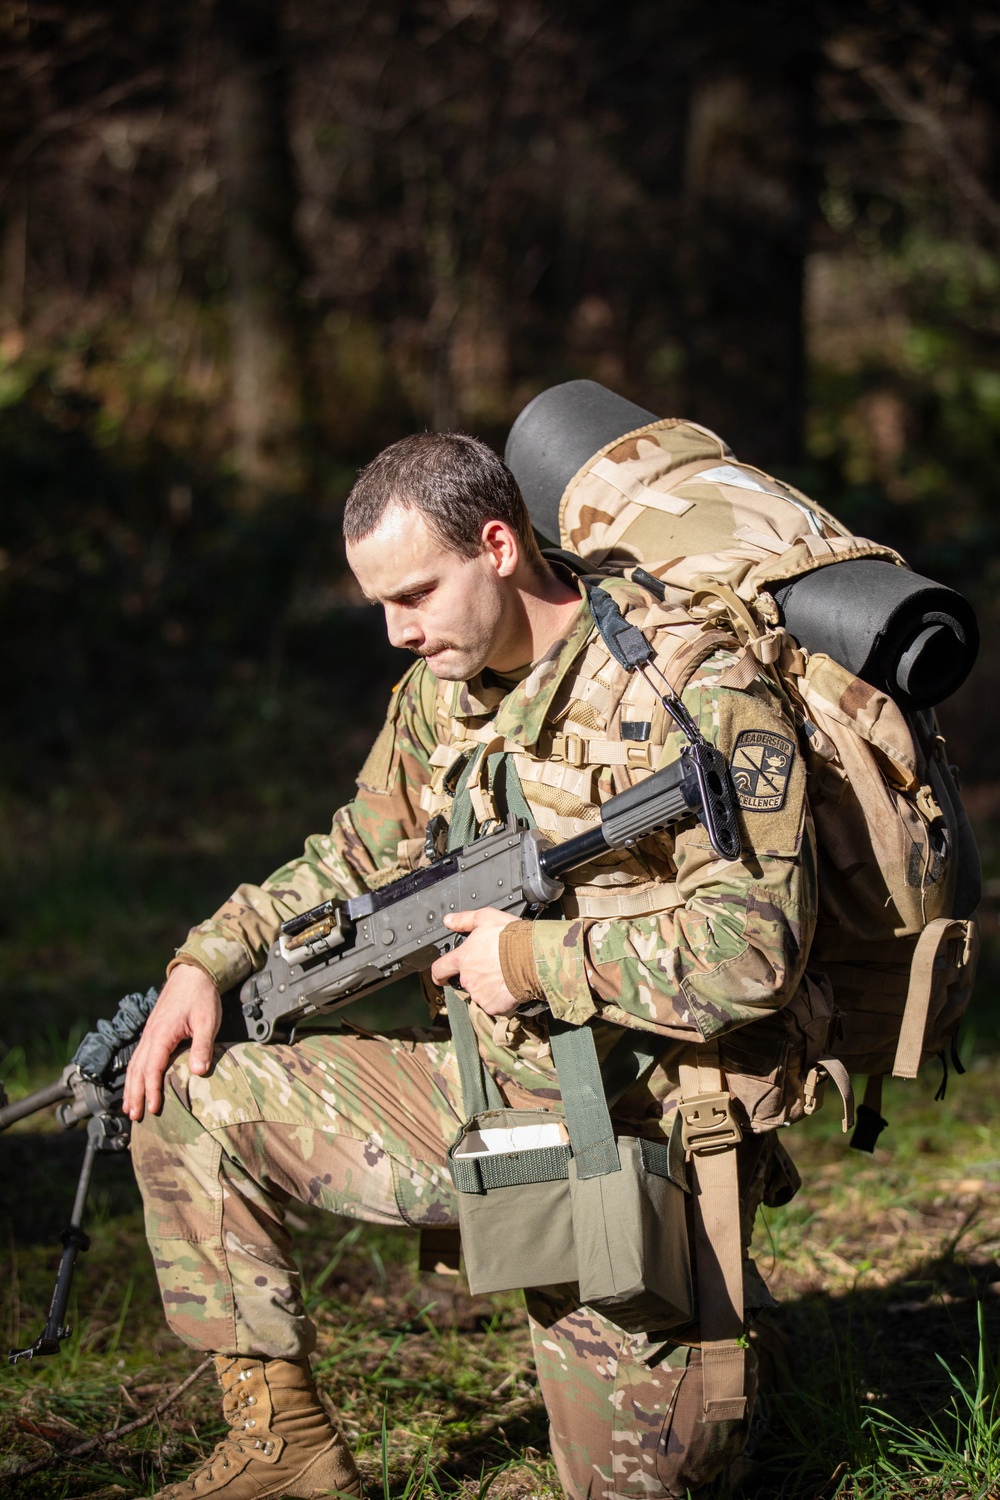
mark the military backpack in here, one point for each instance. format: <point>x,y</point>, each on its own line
<point>895,949</point>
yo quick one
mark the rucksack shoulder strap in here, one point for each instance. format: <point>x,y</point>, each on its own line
<point>710,1135</point>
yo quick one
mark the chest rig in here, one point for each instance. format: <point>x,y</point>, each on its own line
<point>604,730</point>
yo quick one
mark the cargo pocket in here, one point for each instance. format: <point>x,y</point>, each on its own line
<point>424,1194</point>
<point>691,1452</point>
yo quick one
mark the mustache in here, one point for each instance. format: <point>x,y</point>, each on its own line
<point>425,651</point>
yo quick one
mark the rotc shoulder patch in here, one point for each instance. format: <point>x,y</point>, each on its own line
<point>760,768</point>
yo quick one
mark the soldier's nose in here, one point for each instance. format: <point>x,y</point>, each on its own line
<point>402,632</point>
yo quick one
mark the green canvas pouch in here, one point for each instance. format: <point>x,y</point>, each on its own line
<point>514,1205</point>
<point>575,1205</point>
<point>631,1240</point>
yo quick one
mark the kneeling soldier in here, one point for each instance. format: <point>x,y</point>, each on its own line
<point>667,937</point>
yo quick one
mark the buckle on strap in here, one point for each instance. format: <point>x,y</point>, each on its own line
<point>640,755</point>
<point>708,1124</point>
<point>569,748</point>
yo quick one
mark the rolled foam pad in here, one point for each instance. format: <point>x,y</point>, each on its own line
<point>908,636</point>
<point>556,434</point>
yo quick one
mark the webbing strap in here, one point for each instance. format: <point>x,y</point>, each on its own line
<point>479,1092</point>
<point>625,902</point>
<point>478,1174</point>
<point>765,644</point>
<point>574,745</point>
<point>588,1119</point>
<point>462,821</point>
<point>718,1251</point>
<point>913,1027</point>
<point>503,785</point>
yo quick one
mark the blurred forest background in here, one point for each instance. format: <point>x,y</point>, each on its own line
<point>246,243</point>
<point>243,245</point>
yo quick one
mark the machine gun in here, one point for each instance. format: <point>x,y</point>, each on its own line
<point>333,954</point>
<point>340,951</point>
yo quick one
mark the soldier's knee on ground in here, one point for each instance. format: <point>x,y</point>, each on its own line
<point>690,1452</point>
<point>625,1417</point>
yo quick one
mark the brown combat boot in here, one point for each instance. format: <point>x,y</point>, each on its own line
<point>281,1441</point>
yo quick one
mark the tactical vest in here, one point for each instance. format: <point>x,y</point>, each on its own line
<point>607,731</point>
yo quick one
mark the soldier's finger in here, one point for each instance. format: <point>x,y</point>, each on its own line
<point>461,921</point>
<point>150,1062</point>
<point>202,1038</point>
<point>132,1092</point>
<point>445,967</point>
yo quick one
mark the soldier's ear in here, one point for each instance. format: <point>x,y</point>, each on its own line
<point>501,546</point>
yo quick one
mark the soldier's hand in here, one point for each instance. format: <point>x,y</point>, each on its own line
<point>189,1006</point>
<point>475,964</point>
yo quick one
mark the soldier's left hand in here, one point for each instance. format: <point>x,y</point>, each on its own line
<point>475,964</point>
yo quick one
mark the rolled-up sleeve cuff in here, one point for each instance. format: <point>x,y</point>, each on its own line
<point>517,962</point>
<point>557,949</point>
<point>222,957</point>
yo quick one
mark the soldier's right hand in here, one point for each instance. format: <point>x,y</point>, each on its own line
<point>189,1006</point>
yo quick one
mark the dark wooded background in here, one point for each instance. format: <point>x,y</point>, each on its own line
<point>245,243</point>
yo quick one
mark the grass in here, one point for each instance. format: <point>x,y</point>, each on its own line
<point>885,1268</point>
<point>882,1357</point>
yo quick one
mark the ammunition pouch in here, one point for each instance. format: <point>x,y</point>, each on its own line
<point>547,1198</point>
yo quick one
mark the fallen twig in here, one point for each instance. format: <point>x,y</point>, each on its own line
<point>156,1410</point>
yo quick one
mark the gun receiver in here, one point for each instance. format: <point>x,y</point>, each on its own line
<point>339,951</point>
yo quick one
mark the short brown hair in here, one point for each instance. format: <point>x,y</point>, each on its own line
<point>455,481</point>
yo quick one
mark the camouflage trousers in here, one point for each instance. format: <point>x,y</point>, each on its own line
<point>361,1126</point>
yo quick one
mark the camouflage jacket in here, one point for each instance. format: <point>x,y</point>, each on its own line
<point>666,937</point>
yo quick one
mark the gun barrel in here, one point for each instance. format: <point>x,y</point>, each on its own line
<point>656,802</point>
<point>32,1103</point>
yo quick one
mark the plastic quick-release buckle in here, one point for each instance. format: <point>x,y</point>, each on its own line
<point>569,748</point>
<point>708,1124</point>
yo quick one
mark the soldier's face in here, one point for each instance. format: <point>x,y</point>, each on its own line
<point>459,613</point>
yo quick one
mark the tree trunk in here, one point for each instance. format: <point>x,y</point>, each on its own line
<point>269,388</point>
<point>749,193</point>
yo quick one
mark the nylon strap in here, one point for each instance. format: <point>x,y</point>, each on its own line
<point>625,902</point>
<point>479,1092</point>
<point>478,1174</point>
<point>462,822</point>
<point>718,1249</point>
<point>574,1054</point>
<point>913,1027</point>
<point>588,1119</point>
<point>765,644</point>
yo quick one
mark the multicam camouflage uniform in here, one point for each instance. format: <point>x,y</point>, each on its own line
<point>667,938</point>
